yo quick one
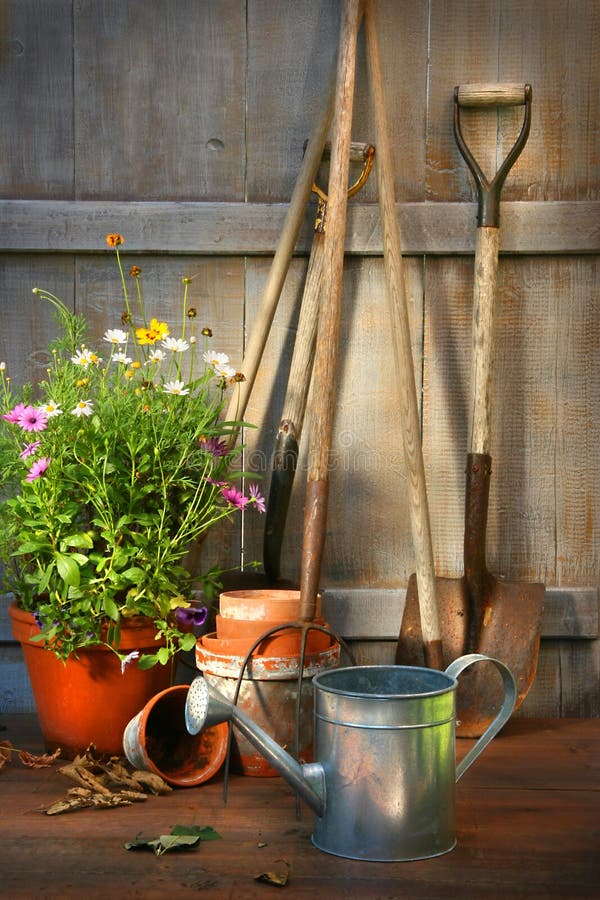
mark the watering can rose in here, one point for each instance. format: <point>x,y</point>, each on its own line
<point>114,466</point>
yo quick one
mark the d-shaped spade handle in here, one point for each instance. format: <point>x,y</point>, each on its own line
<point>508,704</point>
<point>472,95</point>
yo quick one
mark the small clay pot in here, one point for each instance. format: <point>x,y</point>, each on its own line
<point>269,605</point>
<point>241,634</point>
<point>157,740</point>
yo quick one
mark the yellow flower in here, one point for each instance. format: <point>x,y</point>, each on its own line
<point>114,240</point>
<point>155,332</point>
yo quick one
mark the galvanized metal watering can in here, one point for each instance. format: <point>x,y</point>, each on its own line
<point>383,788</point>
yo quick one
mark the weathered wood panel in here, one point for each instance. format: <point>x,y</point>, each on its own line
<point>181,126</point>
<point>550,45</point>
<point>36,99</point>
<point>536,227</point>
<point>159,99</point>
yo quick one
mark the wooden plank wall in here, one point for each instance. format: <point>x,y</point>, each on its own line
<point>181,125</point>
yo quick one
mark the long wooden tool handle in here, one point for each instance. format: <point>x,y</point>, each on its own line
<point>400,326</point>
<point>482,338</point>
<point>281,260</point>
<point>326,351</point>
<point>487,244</point>
<point>285,457</point>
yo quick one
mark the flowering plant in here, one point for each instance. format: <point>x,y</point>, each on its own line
<point>112,467</point>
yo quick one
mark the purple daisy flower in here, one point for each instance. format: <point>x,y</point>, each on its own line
<point>38,468</point>
<point>235,497</point>
<point>30,449</point>
<point>257,498</point>
<point>214,446</point>
<point>32,419</point>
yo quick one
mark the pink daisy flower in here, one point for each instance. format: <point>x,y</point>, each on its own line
<point>30,449</point>
<point>38,468</point>
<point>15,413</point>
<point>257,498</point>
<point>214,446</point>
<point>235,497</point>
<point>32,419</point>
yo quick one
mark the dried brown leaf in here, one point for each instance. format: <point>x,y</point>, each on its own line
<point>278,878</point>
<point>35,761</point>
<point>6,749</point>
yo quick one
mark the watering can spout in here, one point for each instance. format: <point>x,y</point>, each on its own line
<point>206,706</point>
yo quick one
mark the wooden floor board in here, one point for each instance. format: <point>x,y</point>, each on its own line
<point>528,826</point>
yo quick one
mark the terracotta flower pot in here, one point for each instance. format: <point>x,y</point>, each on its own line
<point>269,605</point>
<point>240,634</point>
<point>156,739</point>
<point>88,700</point>
<point>268,694</point>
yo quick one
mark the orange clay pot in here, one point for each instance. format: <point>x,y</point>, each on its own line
<point>269,605</point>
<point>268,695</point>
<point>87,700</point>
<point>240,634</point>
<point>156,739</point>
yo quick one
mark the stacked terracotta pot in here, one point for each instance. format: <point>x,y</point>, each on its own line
<point>269,688</point>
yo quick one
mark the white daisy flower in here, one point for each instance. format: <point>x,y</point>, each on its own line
<point>216,359</point>
<point>156,356</point>
<point>83,408</point>
<point>121,357</point>
<point>224,371</point>
<point>83,357</point>
<point>52,409</point>
<point>115,336</point>
<point>177,345</point>
<point>175,387</point>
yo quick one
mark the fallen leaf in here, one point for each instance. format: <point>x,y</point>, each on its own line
<point>5,753</point>
<point>33,761</point>
<point>277,879</point>
<point>181,837</point>
<point>204,832</point>
<point>165,842</point>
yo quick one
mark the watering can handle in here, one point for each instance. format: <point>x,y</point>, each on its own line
<point>508,704</point>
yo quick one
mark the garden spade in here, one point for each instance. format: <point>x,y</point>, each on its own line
<point>479,612</point>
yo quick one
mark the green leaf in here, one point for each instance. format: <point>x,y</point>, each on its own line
<point>163,655</point>
<point>188,641</point>
<point>67,569</point>
<point>30,547</point>
<point>205,832</point>
<point>147,660</point>
<point>111,609</point>
<point>133,574</point>
<point>165,842</point>
<point>79,540</point>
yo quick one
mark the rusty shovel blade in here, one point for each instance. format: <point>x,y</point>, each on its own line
<point>479,613</point>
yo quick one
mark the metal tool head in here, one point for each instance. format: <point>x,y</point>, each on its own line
<point>510,631</point>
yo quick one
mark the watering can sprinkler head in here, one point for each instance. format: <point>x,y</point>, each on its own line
<point>206,706</point>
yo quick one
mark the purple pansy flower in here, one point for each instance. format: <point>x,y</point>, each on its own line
<point>191,616</point>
